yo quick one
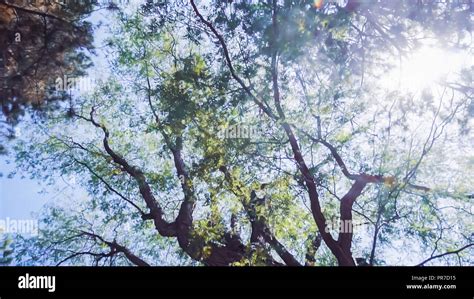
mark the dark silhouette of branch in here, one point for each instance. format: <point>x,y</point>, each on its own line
<point>445,254</point>
<point>115,249</point>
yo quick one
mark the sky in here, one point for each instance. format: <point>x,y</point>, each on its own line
<point>19,198</point>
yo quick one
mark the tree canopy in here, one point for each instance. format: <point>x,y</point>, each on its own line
<point>40,42</point>
<point>265,133</point>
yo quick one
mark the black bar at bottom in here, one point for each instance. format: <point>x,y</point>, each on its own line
<point>200,282</point>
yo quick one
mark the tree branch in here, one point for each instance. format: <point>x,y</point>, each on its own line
<point>259,225</point>
<point>164,228</point>
<point>236,77</point>
<point>117,248</point>
<point>301,164</point>
<point>144,215</point>
<point>445,254</point>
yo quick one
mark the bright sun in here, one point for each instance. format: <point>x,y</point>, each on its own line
<point>425,67</point>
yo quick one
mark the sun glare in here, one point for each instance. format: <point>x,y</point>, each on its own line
<point>426,67</point>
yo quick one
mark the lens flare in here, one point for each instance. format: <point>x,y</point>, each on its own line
<point>318,4</point>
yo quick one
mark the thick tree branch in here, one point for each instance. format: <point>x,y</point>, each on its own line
<point>181,227</point>
<point>184,220</point>
<point>347,201</point>
<point>258,223</point>
<point>164,228</point>
<point>368,178</point>
<point>318,216</point>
